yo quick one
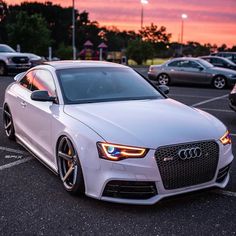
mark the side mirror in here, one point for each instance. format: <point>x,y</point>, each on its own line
<point>200,68</point>
<point>164,89</point>
<point>42,96</point>
<point>19,76</point>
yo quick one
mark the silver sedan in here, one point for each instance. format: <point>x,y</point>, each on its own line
<point>191,70</point>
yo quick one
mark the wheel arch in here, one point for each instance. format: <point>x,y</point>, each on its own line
<point>221,75</point>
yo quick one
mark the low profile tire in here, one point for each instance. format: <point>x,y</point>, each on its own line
<point>69,167</point>
<point>163,79</point>
<point>219,82</point>
<point>8,123</point>
<point>3,70</point>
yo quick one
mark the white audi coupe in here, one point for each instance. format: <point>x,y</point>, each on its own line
<point>111,134</point>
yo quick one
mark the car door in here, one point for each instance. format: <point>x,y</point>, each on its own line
<point>40,114</point>
<point>192,72</point>
<point>173,69</point>
<point>22,91</point>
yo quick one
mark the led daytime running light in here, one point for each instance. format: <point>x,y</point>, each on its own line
<point>118,152</point>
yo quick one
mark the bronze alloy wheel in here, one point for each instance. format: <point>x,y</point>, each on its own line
<point>69,167</point>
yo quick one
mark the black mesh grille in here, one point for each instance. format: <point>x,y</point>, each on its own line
<point>20,60</point>
<point>222,174</point>
<point>177,173</point>
<point>130,189</point>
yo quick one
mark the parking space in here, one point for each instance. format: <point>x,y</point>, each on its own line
<point>33,202</point>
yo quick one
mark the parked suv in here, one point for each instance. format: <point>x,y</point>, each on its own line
<point>230,55</point>
<point>12,61</point>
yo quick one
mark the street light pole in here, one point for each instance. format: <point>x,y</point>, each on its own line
<point>183,17</point>
<point>142,3</point>
<point>73,30</point>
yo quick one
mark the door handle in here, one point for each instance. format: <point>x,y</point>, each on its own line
<point>23,104</point>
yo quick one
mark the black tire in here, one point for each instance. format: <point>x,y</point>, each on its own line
<point>69,167</point>
<point>3,69</point>
<point>219,82</point>
<point>163,79</point>
<point>8,123</point>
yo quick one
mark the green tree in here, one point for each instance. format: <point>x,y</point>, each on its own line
<point>64,52</point>
<point>222,48</point>
<point>155,34</point>
<point>30,32</point>
<point>140,51</point>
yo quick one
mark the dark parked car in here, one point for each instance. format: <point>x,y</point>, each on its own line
<point>232,98</point>
<point>220,62</point>
<point>12,61</point>
<point>191,70</point>
<point>230,55</point>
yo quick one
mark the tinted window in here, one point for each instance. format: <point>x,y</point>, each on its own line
<point>104,84</point>
<point>218,62</point>
<point>26,81</point>
<point>43,80</point>
<point>207,59</point>
<point>175,63</point>
<point>190,64</point>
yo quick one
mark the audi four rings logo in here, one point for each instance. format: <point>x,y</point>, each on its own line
<point>190,153</point>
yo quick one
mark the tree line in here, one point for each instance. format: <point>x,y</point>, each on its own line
<point>37,26</point>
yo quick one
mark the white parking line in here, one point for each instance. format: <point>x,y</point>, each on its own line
<point>220,110</point>
<point>209,100</point>
<point>15,163</point>
<point>224,192</point>
<point>233,135</point>
<point>12,150</point>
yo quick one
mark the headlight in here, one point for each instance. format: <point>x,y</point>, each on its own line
<point>116,152</point>
<point>226,139</point>
<point>9,59</point>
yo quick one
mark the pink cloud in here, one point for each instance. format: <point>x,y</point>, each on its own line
<point>211,21</point>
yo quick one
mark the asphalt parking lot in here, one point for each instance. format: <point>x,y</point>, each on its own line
<point>33,201</point>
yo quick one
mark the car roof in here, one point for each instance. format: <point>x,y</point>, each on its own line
<point>215,53</point>
<point>221,58</point>
<point>185,58</point>
<point>68,64</point>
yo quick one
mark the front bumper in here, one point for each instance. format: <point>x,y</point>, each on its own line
<point>146,170</point>
<point>13,68</point>
<point>152,75</point>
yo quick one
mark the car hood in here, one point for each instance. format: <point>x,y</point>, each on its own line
<point>222,70</point>
<point>147,123</point>
<point>19,54</point>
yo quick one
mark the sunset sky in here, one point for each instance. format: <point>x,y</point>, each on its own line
<point>212,21</point>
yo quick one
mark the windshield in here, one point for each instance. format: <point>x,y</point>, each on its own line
<point>205,63</point>
<point>5,48</point>
<point>84,85</point>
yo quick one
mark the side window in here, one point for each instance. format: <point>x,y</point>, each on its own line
<point>194,65</point>
<point>27,80</point>
<point>218,62</point>
<point>184,64</point>
<point>43,80</point>
<point>208,59</point>
<point>174,64</point>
